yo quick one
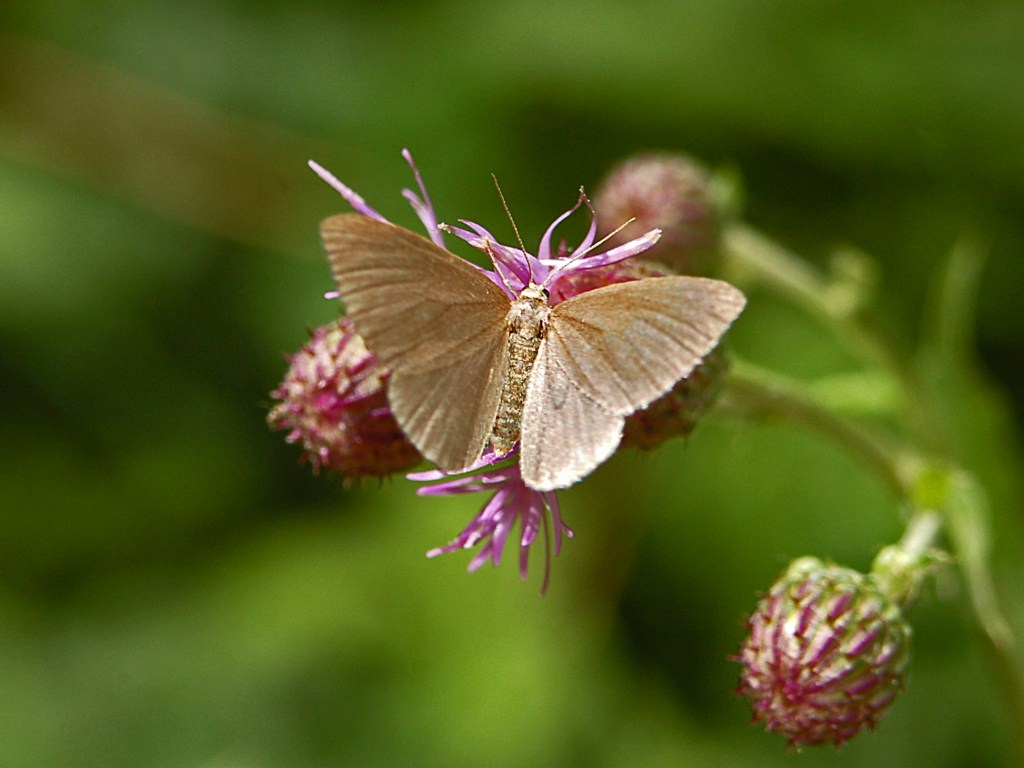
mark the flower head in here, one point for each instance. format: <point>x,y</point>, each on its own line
<point>670,192</point>
<point>676,413</point>
<point>826,654</point>
<point>333,400</point>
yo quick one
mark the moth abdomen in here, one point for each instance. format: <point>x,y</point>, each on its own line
<point>527,323</point>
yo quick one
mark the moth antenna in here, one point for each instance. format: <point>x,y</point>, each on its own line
<point>608,237</point>
<point>515,229</point>
<point>497,266</point>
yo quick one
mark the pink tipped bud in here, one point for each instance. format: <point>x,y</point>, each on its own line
<point>670,192</point>
<point>826,655</point>
<point>334,401</point>
<point>676,413</point>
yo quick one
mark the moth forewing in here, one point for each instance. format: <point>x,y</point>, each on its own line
<point>435,321</point>
<point>448,412</point>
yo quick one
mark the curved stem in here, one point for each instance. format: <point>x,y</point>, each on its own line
<point>753,390</point>
<point>967,523</point>
<point>749,252</point>
<point>921,534</point>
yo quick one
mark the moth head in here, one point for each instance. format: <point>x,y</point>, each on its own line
<point>534,292</point>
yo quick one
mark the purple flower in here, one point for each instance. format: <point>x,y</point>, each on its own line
<point>558,271</point>
<point>511,502</point>
<point>564,272</point>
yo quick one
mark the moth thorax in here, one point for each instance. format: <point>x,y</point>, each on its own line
<point>527,322</point>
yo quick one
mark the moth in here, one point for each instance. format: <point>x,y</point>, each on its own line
<point>471,367</point>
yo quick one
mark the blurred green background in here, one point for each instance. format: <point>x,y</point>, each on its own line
<point>177,590</point>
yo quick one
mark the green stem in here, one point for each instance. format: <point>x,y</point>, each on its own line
<point>967,522</point>
<point>750,253</point>
<point>900,569</point>
<point>756,391</point>
<point>921,534</point>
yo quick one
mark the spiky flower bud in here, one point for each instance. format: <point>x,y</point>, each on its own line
<point>670,192</point>
<point>676,413</point>
<point>334,401</point>
<point>826,655</point>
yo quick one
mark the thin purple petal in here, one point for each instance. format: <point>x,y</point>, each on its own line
<point>544,252</point>
<point>516,265</point>
<point>621,252</point>
<point>511,501</point>
<point>421,203</point>
<point>591,235</point>
<point>351,197</point>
